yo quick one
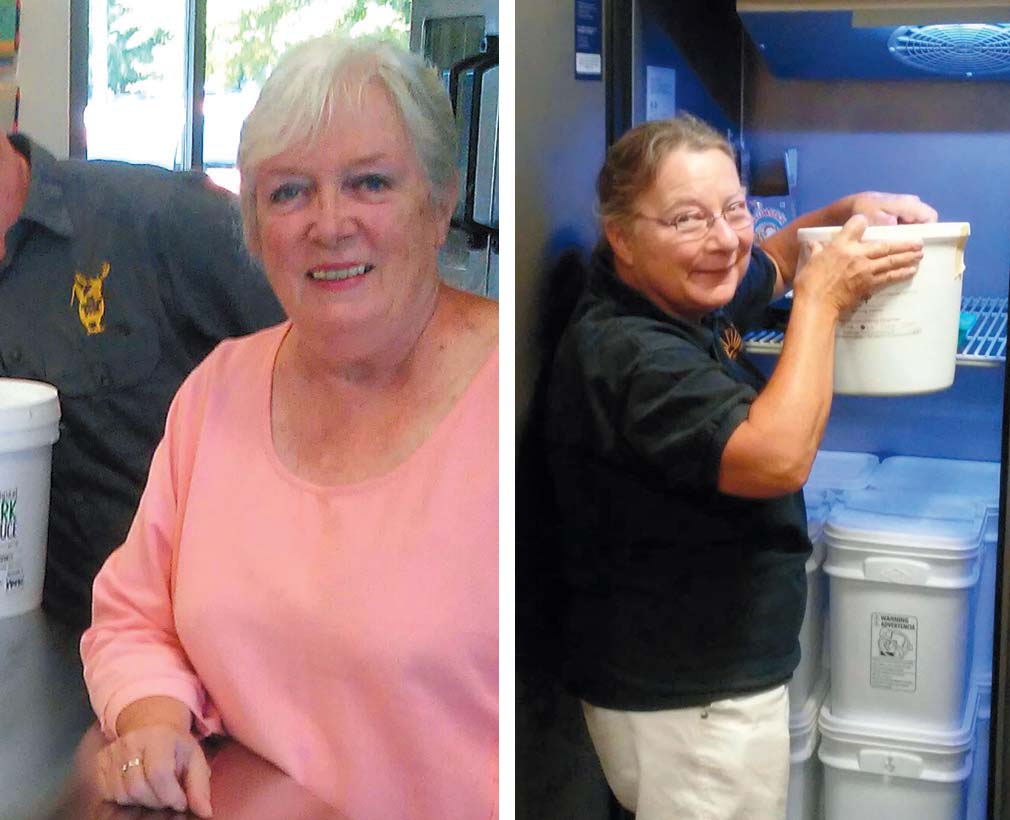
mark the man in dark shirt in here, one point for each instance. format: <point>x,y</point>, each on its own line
<point>115,281</point>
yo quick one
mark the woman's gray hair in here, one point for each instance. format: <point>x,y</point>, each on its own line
<point>300,99</point>
<point>633,161</point>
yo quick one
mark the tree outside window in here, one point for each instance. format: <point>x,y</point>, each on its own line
<point>136,95</point>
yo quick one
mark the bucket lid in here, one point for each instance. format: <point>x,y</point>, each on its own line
<point>926,231</point>
<point>803,723</point>
<point>27,405</point>
<point>982,691</point>
<point>977,479</point>
<point>840,470</point>
<point>942,525</point>
<point>898,749</point>
<point>903,735</point>
<point>817,514</point>
<point>818,506</point>
<point>803,719</point>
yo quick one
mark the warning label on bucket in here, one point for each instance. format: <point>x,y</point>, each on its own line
<point>893,641</point>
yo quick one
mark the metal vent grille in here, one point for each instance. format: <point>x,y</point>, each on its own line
<point>964,49</point>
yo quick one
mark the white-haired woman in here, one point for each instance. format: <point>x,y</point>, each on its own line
<point>313,567</point>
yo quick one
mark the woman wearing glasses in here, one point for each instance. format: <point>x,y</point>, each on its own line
<point>678,469</point>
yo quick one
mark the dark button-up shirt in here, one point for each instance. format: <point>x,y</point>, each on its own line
<point>118,280</point>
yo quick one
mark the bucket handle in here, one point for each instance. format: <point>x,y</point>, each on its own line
<point>890,762</point>
<point>896,570</point>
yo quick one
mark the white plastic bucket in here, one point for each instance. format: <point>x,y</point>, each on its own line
<point>835,473</point>
<point>902,572</point>
<point>880,771</point>
<point>29,425</point>
<point>812,662</point>
<point>903,339</point>
<point>978,783</point>
<point>978,480</point>
<point>803,800</point>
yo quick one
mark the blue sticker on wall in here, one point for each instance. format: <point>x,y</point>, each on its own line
<point>588,39</point>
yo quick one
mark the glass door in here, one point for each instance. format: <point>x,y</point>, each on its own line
<point>160,73</point>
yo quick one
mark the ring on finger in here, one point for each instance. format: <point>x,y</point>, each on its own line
<point>129,764</point>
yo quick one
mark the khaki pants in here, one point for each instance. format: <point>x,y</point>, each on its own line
<point>725,761</point>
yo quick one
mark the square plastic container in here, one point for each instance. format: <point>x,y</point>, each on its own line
<point>978,783</point>
<point>813,660</point>
<point>875,771</point>
<point>835,473</point>
<point>978,480</point>
<point>902,573</point>
<point>804,800</point>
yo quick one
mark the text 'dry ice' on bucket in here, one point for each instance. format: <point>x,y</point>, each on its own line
<point>903,339</point>
<point>29,426</point>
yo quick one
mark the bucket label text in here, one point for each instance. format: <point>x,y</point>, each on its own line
<point>11,572</point>
<point>8,514</point>
<point>893,656</point>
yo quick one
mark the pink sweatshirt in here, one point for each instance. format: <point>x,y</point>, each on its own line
<point>347,634</point>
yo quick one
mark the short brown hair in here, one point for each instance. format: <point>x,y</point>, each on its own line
<point>633,161</point>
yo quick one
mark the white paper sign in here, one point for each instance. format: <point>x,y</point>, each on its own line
<point>660,92</point>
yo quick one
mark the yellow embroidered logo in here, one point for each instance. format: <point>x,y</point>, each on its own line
<point>732,342</point>
<point>87,291</point>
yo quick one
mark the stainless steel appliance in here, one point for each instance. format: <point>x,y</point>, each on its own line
<point>460,37</point>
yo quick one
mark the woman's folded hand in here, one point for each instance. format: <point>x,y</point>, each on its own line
<point>155,762</point>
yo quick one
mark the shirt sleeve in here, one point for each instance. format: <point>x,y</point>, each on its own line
<point>680,408</point>
<point>132,650</point>
<point>214,287</point>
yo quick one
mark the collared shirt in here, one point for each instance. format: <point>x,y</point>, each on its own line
<point>118,280</point>
<point>675,593</point>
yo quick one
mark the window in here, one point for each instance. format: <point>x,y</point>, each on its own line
<point>170,83</point>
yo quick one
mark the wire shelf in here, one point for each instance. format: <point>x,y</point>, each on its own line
<point>985,343</point>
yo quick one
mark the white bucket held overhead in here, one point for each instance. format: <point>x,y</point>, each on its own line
<point>903,339</point>
<point>29,425</point>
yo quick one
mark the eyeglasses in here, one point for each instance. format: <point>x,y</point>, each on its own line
<point>696,224</point>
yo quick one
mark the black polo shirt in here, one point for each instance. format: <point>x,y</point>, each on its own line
<point>675,594</point>
<point>118,280</point>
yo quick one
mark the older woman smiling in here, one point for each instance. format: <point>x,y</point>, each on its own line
<point>312,568</point>
<point>678,469</point>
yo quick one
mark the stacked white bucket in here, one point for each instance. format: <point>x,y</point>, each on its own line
<point>911,567</point>
<point>934,481</point>
<point>834,476</point>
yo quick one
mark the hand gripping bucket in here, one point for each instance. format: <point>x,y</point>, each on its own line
<point>29,425</point>
<point>903,339</point>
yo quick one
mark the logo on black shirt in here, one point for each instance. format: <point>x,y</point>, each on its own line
<point>731,340</point>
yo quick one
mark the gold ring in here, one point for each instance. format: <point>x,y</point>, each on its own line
<point>134,761</point>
